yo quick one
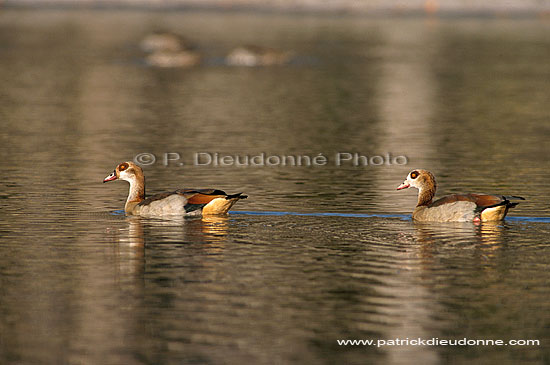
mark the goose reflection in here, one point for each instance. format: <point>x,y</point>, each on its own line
<point>141,232</point>
<point>128,250</point>
<point>214,228</point>
<point>139,235</point>
<point>407,298</point>
<point>487,236</point>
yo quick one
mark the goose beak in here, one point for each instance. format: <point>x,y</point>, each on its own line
<point>111,177</point>
<point>404,186</point>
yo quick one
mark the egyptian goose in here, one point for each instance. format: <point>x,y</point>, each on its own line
<point>252,55</point>
<point>165,41</point>
<point>454,208</point>
<point>168,49</point>
<point>183,58</point>
<point>181,202</point>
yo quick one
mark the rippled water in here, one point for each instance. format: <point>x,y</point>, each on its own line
<point>315,254</point>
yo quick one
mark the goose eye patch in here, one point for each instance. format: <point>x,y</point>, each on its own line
<point>414,175</point>
<point>123,166</point>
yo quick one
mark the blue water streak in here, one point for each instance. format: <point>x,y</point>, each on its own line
<point>365,215</point>
<point>405,217</point>
<point>352,215</point>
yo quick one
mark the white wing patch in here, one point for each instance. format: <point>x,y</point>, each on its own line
<point>171,205</point>
<point>459,211</point>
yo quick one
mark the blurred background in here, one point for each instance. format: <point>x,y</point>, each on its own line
<point>511,7</point>
<point>458,87</point>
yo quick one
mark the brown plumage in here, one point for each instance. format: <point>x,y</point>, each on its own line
<point>203,196</point>
<point>457,207</point>
<point>481,200</point>
<point>185,202</point>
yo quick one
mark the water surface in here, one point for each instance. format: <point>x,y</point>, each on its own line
<point>315,254</point>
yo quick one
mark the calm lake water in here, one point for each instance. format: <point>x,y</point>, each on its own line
<point>80,283</point>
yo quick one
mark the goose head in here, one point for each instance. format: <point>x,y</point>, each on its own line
<point>419,179</point>
<point>424,181</point>
<point>127,171</point>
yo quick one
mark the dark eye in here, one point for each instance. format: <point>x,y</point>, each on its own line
<point>414,174</point>
<point>123,166</point>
